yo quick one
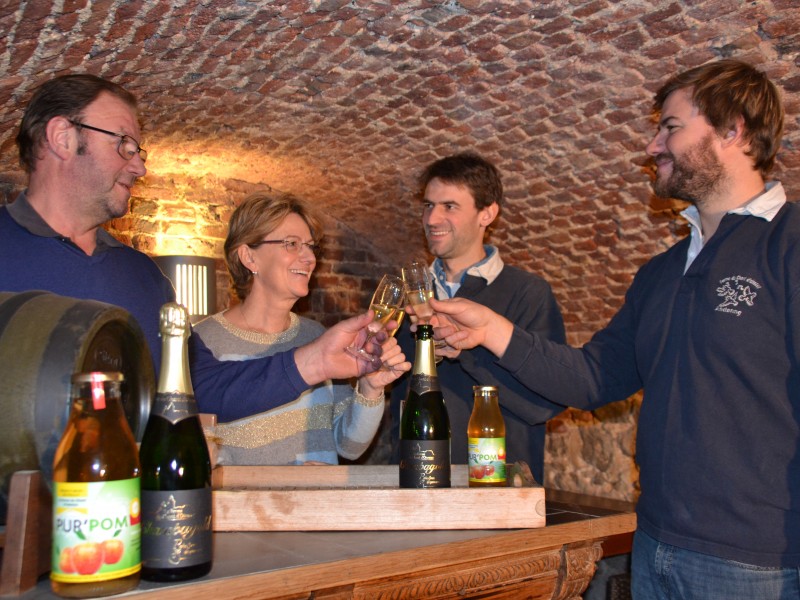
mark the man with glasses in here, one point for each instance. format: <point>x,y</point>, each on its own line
<point>79,143</point>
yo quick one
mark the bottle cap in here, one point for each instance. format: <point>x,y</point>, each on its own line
<point>424,331</point>
<point>97,376</point>
<point>174,320</point>
<point>483,389</point>
<point>97,381</point>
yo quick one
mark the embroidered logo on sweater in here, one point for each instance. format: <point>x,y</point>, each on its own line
<point>737,293</point>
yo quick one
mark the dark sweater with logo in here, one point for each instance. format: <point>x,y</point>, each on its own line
<point>716,351</point>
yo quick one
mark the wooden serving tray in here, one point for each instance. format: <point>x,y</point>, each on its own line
<point>363,497</point>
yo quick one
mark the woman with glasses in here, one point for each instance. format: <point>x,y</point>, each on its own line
<point>271,252</point>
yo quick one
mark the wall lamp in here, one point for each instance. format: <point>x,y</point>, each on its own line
<point>195,282</point>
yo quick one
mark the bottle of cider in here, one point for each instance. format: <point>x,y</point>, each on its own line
<point>486,440</point>
<point>424,424</point>
<point>176,469</point>
<point>96,529</point>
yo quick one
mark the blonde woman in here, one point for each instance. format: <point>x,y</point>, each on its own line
<point>271,252</point>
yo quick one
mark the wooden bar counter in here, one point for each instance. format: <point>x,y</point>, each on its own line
<point>556,561</point>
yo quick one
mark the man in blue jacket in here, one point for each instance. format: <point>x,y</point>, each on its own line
<point>710,330</point>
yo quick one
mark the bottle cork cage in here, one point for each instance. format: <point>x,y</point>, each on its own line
<point>367,497</point>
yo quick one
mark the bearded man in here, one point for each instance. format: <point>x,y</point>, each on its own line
<point>710,330</point>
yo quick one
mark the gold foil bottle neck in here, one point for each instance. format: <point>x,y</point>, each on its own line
<point>425,357</point>
<point>174,377</point>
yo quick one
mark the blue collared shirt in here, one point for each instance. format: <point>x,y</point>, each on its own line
<point>764,206</point>
<point>488,268</point>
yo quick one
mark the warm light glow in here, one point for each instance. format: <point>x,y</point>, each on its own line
<point>170,244</point>
<point>224,159</point>
<point>176,164</point>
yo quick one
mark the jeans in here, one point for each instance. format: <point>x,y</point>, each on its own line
<point>663,572</point>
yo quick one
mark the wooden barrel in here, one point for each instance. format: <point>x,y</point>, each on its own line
<point>44,339</point>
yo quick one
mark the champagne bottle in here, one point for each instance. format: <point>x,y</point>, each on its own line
<point>424,424</point>
<point>486,439</point>
<point>96,528</point>
<point>176,469</point>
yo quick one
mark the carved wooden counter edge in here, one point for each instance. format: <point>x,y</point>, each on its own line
<point>556,561</point>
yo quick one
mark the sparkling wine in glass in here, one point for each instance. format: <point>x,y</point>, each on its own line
<point>398,316</point>
<point>386,302</point>
<point>419,289</point>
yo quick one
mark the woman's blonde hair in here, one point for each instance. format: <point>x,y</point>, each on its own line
<point>258,215</point>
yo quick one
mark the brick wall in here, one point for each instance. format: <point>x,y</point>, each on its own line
<point>343,102</point>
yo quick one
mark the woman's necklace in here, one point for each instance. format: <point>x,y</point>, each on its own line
<point>244,318</point>
<point>251,328</point>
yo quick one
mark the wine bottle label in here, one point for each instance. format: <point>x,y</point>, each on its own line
<point>422,384</point>
<point>486,458</point>
<point>424,464</point>
<point>174,407</point>
<point>176,528</point>
<point>96,530</point>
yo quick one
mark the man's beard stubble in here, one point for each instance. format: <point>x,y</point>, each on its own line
<point>695,175</point>
<point>104,208</point>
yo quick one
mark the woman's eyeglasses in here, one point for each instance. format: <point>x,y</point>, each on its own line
<point>292,244</point>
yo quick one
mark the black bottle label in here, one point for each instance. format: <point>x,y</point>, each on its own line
<point>422,384</point>
<point>174,407</point>
<point>424,464</point>
<point>176,528</point>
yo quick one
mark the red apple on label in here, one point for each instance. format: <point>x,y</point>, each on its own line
<point>488,470</point>
<point>65,561</point>
<point>112,551</point>
<point>476,472</point>
<point>87,558</point>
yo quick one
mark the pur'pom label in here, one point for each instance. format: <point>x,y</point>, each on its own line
<point>486,458</point>
<point>96,530</point>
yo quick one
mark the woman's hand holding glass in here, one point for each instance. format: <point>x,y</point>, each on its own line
<point>387,300</point>
<point>394,365</point>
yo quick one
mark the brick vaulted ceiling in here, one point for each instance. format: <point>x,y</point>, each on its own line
<point>344,101</point>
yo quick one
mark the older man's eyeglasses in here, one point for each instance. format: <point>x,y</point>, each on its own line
<point>127,147</point>
<point>292,244</point>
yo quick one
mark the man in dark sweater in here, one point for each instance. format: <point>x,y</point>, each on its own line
<point>78,142</point>
<point>710,330</point>
<point>462,197</point>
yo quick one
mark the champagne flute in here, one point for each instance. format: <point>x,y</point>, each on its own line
<point>419,289</point>
<point>398,316</point>
<point>386,302</point>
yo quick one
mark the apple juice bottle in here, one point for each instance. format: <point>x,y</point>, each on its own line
<point>486,439</point>
<point>96,547</point>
